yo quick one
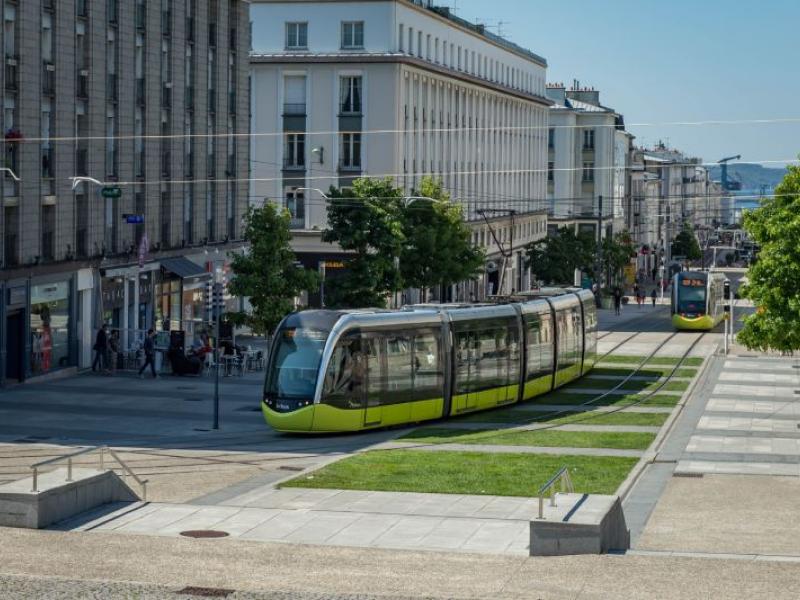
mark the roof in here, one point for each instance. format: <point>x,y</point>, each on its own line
<point>580,106</point>
<point>183,267</point>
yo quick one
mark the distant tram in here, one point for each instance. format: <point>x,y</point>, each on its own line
<point>697,300</point>
<point>335,371</point>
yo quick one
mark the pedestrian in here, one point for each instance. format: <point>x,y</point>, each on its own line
<point>100,349</point>
<point>113,351</point>
<point>636,294</point>
<point>642,296</point>
<point>617,300</point>
<point>655,272</point>
<point>149,354</point>
<point>653,296</point>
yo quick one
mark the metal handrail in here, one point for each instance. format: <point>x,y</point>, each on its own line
<point>566,486</point>
<point>68,457</point>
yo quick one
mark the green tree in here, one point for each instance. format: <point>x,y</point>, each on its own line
<point>438,248</point>
<point>774,281</point>
<point>268,273</point>
<point>616,252</point>
<point>367,221</point>
<point>686,245</point>
<point>555,258</point>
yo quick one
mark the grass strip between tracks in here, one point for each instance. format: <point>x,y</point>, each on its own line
<point>548,438</point>
<point>526,417</point>
<point>466,473</point>
<point>692,361</point>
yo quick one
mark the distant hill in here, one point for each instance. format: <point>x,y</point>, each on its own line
<point>751,176</point>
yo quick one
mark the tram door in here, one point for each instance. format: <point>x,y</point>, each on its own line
<point>375,375</point>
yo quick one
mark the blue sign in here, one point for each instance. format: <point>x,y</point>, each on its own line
<point>134,219</point>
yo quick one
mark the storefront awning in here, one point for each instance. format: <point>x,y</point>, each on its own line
<point>183,267</point>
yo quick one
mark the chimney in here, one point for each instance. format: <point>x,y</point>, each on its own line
<point>557,93</point>
<point>584,94</point>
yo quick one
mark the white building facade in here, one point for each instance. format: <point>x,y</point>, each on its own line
<point>398,89</point>
<point>588,161</point>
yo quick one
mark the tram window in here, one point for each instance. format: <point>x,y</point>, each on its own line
<point>345,377</point>
<point>492,358</point>
<point>373,354</point>
<point>399,368</point>
<point>428,376</point>
<point>465,349</point>
<point>567,344</point>
<point>536,348</point>
<point>296,363</point>
<point>547,348</point>
<point>512,343</point>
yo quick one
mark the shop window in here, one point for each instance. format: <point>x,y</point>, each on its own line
<point>49,326</point>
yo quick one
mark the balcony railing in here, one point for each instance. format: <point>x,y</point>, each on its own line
<point>48,78</point>
<point>294,109</point>
<point>297,223</point>
<point>353,165</point>
<point>292,164</point>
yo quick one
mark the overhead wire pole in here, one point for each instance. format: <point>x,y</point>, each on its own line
<point>506,254</point>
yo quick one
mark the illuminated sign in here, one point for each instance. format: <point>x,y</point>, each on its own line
<point>693,283</point>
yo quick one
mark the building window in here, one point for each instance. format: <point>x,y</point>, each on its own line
<point>295,151</point>
<point>588,139</point>
<point>551,138</point>
<point>550,167</point>
<point>353,34</point>
<point>351,95</point>
<point>350,152</point>
<point>296,36</point>
<point>296,205</point>
<point>588,171</point>
<point>49,327</point>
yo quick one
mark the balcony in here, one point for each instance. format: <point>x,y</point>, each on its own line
<point>297,109</point>
<point>293,164</point>
<point>48,78</point>
<point>140,98</point>
<point>297,223</point>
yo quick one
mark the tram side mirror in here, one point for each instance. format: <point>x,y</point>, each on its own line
<point>727,290</point>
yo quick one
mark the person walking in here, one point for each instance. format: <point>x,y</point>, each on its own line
<point>149,354</point>
<point>653,296</point>
<point>113,351</point>
<point>642,297</point>
<point>617,300</point>
<point>636,294</point>
<point>100,349</point>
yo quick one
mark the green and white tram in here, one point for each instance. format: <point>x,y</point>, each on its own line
<point>698,300</point>
<point>336,371</point>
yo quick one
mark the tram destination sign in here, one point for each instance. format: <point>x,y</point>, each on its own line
<point>111,192</point>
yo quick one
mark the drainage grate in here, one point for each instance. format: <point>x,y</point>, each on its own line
<point>205,592</point>
<point>691,475</point>
<point>204,533</point>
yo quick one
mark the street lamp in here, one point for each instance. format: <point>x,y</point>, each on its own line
<point>11,173</point>
<point>83,179</point>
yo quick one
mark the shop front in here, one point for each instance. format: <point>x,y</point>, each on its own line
<point>180,297</point>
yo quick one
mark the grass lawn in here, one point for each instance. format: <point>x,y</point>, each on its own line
<point>566,398</point>
<point>550,438</point>
<point>466,473</point>
<point>524,417</point>
<point>649,371</point>
<point>692,361</point>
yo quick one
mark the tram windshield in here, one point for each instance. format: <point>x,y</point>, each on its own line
<point>294,367</point>
<point>692,296</point>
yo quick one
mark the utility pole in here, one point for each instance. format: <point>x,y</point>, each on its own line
<point>599,263</point>
<point>214,307</point>
<point>506,254</point>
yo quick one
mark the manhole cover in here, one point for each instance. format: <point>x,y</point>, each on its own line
<point>204,592</point>
<point>204,533</point>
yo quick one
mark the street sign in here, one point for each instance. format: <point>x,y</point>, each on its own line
<point>111,192</point>
<point>133,219</point>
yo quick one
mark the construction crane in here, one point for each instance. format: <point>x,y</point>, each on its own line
<point>726,184</point>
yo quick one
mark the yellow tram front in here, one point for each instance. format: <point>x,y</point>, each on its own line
<point>697,300</point>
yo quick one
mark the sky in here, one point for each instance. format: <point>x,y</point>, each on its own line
<point>664,61</point>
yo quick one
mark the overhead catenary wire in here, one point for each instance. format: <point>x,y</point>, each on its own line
<point>337,132</point>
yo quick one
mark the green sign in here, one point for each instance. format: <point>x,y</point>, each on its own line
<point>111,192</point>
